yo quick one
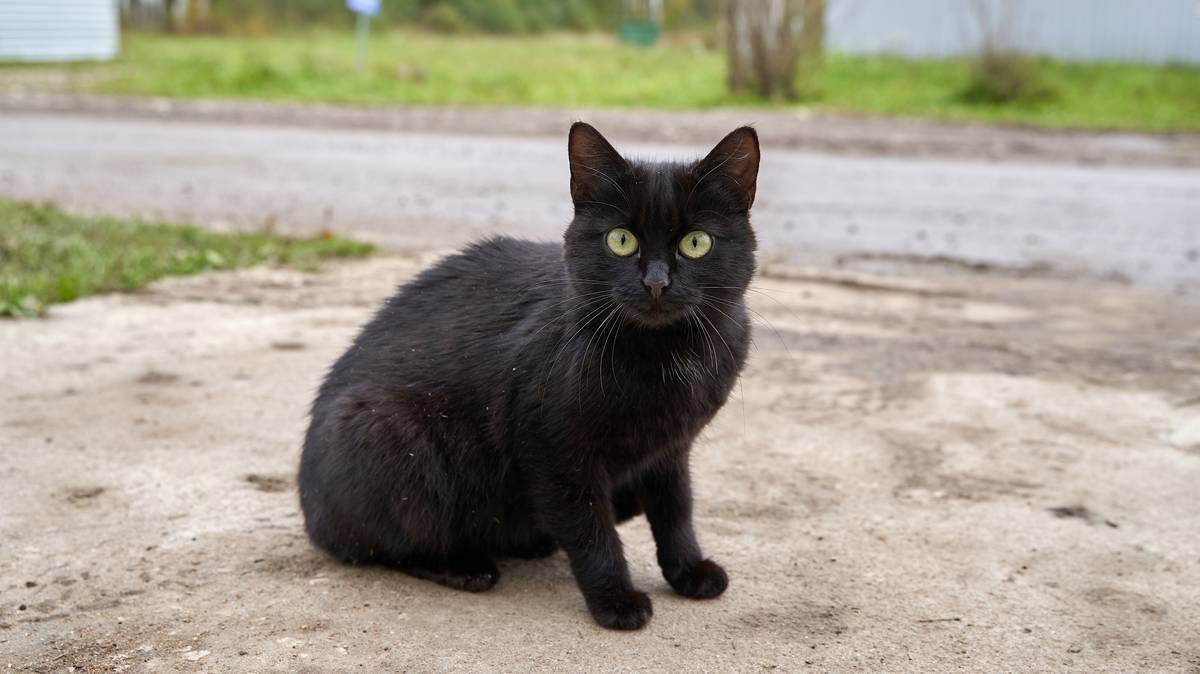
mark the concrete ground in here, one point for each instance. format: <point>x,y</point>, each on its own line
<point>970,473</point>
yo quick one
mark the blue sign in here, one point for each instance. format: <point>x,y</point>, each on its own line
<point>367,7</point>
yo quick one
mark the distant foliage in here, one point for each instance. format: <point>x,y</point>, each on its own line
<point>506,17</point>
<point>445,18</point>
<point>774,47</point>
<point>1005,77</point>
<point>1000,71</point>
<point>500,16</point>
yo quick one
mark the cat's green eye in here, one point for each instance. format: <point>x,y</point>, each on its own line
<point>622,241</point>
<point>695,245</point>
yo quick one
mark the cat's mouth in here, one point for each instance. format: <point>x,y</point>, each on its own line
<point>655,314</point>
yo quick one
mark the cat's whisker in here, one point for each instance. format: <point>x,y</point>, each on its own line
<point>565,341</point>
<point>604,346</point>
<point>722,216</point>
<point>737,324</point>
<point>591,316</point>
<point>587,349</point>
<point>601,174</point>
<point>618,209</point>
<point>723,162</point>
<point>582,299</point>
<point>766,320</point>
<point>764,292</point>
<point>709,302</point>
<point>719,335</point>
<point>560,283</point>
<point>712,346</point>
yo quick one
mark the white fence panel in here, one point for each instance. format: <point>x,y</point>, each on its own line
<point>1146,31</point>
<point>58,30</point>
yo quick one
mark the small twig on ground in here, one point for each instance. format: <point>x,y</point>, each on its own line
<point>940,620</point>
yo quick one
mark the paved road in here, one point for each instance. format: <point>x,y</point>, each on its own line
<point>416,190</point>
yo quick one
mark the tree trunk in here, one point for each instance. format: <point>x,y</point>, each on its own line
<point>770,41</point>
<point>169,11</point>
<point>195,15</point>
<point>737,39</point>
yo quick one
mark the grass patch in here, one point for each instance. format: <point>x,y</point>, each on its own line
<point>419,68</point>
<point>1099,96</point>
<point>565,70</point>
<point>595,71</point>
<point>49,256</point>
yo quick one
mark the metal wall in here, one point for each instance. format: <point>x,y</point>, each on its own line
<point>58,30</point>
<point>1147,31</point>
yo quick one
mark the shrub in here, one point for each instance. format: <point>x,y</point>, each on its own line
<point>494,16</point>
<point>256,73</point>
<point>444,18</point>
<point>579,16</point>
<point>1005,76</point>
<point>1000,71</point>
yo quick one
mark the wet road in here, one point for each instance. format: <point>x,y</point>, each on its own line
<point>419,190</point>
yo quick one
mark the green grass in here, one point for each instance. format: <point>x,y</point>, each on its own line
<point>48,255</point>
<point>567,70</point>
<point>471,70</point>
<point>1105,96</point>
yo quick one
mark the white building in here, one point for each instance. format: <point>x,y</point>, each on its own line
<point>58,30</point>
<point>1142,31</point>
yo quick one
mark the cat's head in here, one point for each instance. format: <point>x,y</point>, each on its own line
<point>661,239</point>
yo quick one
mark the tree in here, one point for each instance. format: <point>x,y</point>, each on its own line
<point>771,41</point>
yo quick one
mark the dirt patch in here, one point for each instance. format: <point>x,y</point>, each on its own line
<point>81,494</point>
<point>271,483</point>
<point>157,378</point>
<point>1081,512</point>
<point>902,482</point>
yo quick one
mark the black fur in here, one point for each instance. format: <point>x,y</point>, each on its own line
<point>519,397</point>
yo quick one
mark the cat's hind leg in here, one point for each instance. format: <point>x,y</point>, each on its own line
<point>531,545</point>
<point>463,569</point>
<point>626,504</point>
<point>375,488</point>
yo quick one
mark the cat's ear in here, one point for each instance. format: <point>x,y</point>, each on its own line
<point>735,161</point>
<point>595,164</point>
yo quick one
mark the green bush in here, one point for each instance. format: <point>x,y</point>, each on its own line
<point>256,73</point>
<point>579,16</point>
<point>445,19</point>
<point>1005,77</point>
<point>256,17</point>
<point>494,16</point>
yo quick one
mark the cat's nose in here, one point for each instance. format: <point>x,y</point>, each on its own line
<point>657,278</point>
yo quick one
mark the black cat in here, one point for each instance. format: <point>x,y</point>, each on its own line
<point>520,396</point>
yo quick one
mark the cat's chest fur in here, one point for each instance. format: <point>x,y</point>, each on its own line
<point>637,403</point>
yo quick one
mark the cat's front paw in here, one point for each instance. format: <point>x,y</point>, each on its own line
<point>627,610</point>
<point>704,580</point>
